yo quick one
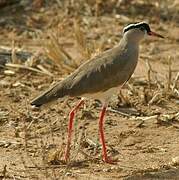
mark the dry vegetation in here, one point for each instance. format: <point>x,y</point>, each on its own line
<point>41,43</point>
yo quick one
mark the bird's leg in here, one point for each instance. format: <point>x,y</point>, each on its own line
<point>70,126</point>
<point>101,131</point>
<point>102,138</point>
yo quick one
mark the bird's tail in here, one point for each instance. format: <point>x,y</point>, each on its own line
<point>59,90</point>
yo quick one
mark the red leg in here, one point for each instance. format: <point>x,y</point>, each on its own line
<point>70,126</point>
<point>101,131</point>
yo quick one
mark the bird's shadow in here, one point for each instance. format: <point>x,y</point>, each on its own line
<point>76,163</point>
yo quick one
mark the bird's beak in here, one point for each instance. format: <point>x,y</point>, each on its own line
<point>151,33</point>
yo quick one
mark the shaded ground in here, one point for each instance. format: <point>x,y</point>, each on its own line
<point>144,137</point>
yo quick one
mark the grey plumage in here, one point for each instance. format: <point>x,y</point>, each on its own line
<point>100,78</point>
<point>108,70</point>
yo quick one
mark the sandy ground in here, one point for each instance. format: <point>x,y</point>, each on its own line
<point>142,129</point>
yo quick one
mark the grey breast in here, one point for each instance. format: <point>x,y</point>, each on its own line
<point>110,69</point>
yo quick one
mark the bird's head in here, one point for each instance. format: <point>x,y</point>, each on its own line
<point>138,31</point>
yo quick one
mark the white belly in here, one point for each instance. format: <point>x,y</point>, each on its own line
<point>103,96</point>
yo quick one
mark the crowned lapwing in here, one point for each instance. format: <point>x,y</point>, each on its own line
<point>100,78</point>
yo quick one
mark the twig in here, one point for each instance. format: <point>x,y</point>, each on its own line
<point>90,142</point>
<point>2,142</point>
<point>118,112</point>
<point>4,172</point>
<point>124,99</point>
<point>59,3</point>
<point>13,54</point>
<point>131,88</point>
<point>169,73</point>
<point>30,124</point>
<point>176,91</point>
<point>149,73</point>
<point>58,55</point>
<point>27,68</point>
<point>154,98</point>
<point>145,118</point>
<point>44,70</point>
<point>97,8</point>
<point>175,81</point>
<point>81,41</point>
<point>154,72</point>
<point>140,124</point>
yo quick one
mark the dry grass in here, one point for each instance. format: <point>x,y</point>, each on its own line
<point>58,55</point>
<point>81,41</point>
<point>39,133</point>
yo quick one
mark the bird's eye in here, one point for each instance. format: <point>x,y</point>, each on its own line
<point>142,28</point>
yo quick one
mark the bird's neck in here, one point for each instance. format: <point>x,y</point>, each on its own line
<point>131,40</point>
<point>129,43</point>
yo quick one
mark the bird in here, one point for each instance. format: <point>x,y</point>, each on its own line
<point>99,78</point>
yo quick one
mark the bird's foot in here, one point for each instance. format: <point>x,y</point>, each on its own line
<point>66,157</point>
<point>109,160</point>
